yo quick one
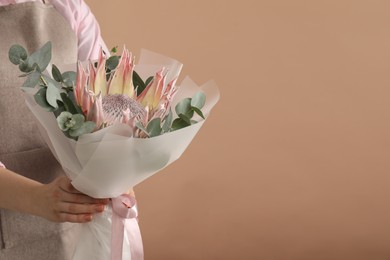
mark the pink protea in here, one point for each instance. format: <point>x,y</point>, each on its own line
<point>116,101</point>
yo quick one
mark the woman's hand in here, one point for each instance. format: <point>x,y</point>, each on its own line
<point>59,201</point>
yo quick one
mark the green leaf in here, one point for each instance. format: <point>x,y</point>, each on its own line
<point>40,98</point>
<point>114,49</point>
<point>71,97</point>
<point>52,94</point>
<point>41,57</point>
<point>142,128</point>
<point>138,83</point>
<point>17,54</point>
<point>86,128</point>
<point>63,120</point>
<point>184,107</point>
<point>154,127</point>
<point>168,121</point>
<point>25,74</point>
<point>47,79</point>
<point>185,119</point>
<point>78,121</point>
<point>112,62</point>
<point>178,123</point>
<point>69,78</point>
<point>147,82</point>
<point>23,67</point>
<point>69,105</point>
<point>32,80</point>
<point>60,108</point>
<point>198,111</point>
<point>198,100</point>
<point>56,73</point>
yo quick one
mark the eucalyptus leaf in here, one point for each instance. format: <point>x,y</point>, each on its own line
<point>41,57</point>
<point>198,100</point>
<point>78,121</point>
<point>168,121</point>
<point>178,123</point>
<point>112,62</point>
<point>52,94</point>
<point>69,105</point>
<point>60,108</point>
<point>48,80</point>
<point>86,128</point>
<point>154,127</point>
<point>142,128</point>
<point>25,74</point>
<point>17,54</point>
<point>64,121</point>
<point>73,99</point>
<point>184,107</point>
<point>198,111</point>
<point>69,78</point>
<point>34,66</point>
<point>23,67</point>
<point>32,80</point>
<point>56,73</point>
<point>185,119</point>
<point>40,98</point>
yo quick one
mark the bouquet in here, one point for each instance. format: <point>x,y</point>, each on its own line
<point>110,129</point>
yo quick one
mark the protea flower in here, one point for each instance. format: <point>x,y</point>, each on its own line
<point>115,100</point>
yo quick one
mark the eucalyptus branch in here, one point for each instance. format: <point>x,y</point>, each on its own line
<point>44,81</point>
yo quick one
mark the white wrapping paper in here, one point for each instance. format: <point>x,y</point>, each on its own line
<point>94,241</point>
<point>108,162</point>
<point>105,164</point>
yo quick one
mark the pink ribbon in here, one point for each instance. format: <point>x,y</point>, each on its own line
<point>124,215</point>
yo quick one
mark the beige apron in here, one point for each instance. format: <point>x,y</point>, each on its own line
<point>22,149</point>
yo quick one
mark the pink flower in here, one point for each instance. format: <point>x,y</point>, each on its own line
<point>112,101</point>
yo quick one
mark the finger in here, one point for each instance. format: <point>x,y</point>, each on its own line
<point>75,218</point>
<point>81,199</point>
<point>66,185</point>
<point>75,208</point>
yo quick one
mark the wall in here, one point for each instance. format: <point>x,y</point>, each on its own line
<point>294,161</point>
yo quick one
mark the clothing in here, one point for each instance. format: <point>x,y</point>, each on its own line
<point>82,22</point>
<point>22,149</point>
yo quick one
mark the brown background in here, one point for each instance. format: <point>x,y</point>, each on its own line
<point>294,161</point>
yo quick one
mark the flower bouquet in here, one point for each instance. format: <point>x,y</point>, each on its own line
<point>110,130</point>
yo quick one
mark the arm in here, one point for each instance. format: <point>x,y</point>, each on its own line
<point>88,33</point>
<point>58,201</point>
<point>85,26</point>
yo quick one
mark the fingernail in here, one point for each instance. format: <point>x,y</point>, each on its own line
<point>99,208</point>
<point>88,217</point>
